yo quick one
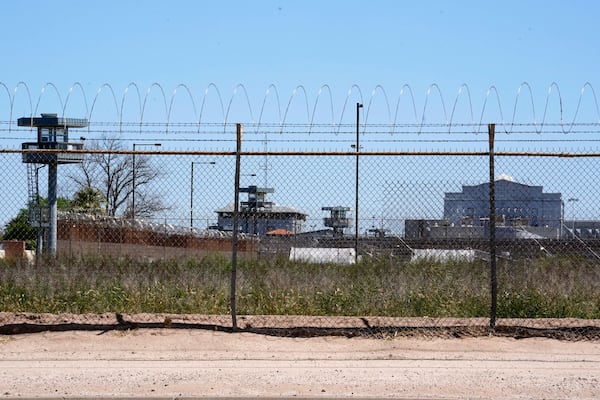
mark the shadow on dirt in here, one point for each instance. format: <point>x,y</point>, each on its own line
<point>587,333</point>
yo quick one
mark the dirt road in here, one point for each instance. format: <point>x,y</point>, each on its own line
<point>170,363</point>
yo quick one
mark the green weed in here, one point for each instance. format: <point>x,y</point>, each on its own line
<point>556,287</point>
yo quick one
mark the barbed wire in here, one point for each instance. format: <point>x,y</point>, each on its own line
<point>345,129</point>
<point>299,125</point>
<point>385,108</point>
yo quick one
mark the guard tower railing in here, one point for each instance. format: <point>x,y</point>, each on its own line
<point>55,156</point>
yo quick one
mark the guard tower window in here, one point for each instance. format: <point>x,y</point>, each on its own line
<point>53,135</point>
<point>46,135</point>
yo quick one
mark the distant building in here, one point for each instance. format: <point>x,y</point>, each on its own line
<point>439,229</point>
<point>583,229</point>
<point>260,217</point>
<point>522,211</point>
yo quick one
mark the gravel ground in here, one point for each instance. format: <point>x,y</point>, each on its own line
<point>169,363</point>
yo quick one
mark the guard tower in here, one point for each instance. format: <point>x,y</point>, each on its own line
<point>256,212</point>
<point>256,198</point>
<point>257,216</point>
<point>337,219</point>
<point>52,135</point>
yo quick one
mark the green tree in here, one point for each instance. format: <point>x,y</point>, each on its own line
<point>19,227</point>
<point>89,200</point>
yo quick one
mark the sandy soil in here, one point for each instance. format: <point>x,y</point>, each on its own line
<point>169,363</point>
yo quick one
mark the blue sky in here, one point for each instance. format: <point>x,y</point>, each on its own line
<point>310,43</point>
<point>349,46</point>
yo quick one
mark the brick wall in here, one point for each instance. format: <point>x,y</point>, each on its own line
<point>76,237</point>
<point>13,249</point>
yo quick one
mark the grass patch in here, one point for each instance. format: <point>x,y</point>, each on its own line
<point>556,287</point>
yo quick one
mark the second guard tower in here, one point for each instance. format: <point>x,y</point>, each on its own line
<point>337,219</point>
<point>51,148</point>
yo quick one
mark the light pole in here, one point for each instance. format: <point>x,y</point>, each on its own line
<point>573,200</point>
<point>192,188</point>
<point>358,107</point>
<point>133,174</point>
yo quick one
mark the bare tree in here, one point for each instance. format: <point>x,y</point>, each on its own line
<point>111,173</point>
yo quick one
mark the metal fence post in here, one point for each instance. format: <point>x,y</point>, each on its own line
<point>493,281</point>
<point>52,208</point>
<point>358,107</point>
<point>234,238</point>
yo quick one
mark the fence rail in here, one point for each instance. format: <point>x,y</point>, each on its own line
<point>444,242</point>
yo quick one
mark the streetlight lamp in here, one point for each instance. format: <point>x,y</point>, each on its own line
<point>358,107</point>
<point>133,173</point>
<point>192,188</point>
<point>573,200</point>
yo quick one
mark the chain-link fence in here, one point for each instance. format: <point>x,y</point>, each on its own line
<point>318,242</point>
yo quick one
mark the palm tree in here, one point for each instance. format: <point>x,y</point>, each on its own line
<point>89,200</point>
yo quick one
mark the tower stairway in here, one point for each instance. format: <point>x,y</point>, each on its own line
<point>36,212</point>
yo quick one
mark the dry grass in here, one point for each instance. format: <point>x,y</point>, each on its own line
<point>545,288</point>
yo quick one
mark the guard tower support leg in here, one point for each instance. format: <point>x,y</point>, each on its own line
<point>52,209</point>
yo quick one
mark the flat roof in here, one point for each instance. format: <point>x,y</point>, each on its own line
<point>52,120</point>
<point>274,209</point>
<point>335,208</point>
